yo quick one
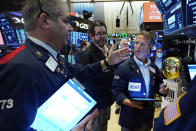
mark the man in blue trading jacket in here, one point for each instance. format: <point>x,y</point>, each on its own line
<point>137,77</point>
<point>31,74</point>
<point>180,115</point>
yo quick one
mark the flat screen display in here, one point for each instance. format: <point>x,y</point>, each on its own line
<point>77,37</point>
<point>165,5</point>
<point>64,109</point>
<point>173,19</point>
<point>192,70</point>
<point>10,37</point>
<point>4,24</point>
<point>21,35</point>
<point>191,12</point>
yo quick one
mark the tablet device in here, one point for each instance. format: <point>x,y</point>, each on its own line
<point>145,99</point>
<point>64,109</point>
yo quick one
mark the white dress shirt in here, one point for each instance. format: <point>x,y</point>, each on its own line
<point>145,72</point>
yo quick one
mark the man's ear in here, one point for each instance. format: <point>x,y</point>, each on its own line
<point>43,20</point>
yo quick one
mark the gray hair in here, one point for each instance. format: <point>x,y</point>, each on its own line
<point>148,35</point>
<point>123,41</point>
<point>33,8</point>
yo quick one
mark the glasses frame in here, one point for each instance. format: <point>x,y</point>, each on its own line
<point>142,44</point>
<point>99,34</point>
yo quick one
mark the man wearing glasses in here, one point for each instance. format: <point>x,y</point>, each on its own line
<point>100,88</point>
<point>32,73</point>
<point>138,78</point>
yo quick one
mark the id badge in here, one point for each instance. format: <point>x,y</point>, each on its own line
<point>51,64</point>
<point>134,86</point>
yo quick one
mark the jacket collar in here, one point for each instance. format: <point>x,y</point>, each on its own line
<point>38,51</point>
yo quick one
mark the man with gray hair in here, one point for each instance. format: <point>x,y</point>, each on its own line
<point>124,43</point>
<point>32,73</point>
<point>137,78</point>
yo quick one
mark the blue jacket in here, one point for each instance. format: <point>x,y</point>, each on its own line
<point>182,120</point>
<point>129,72</point>
<point>26,83</point>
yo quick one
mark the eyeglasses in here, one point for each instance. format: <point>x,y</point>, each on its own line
<point>41,10</point>
<point>101,34</point>
<point>142,44</point>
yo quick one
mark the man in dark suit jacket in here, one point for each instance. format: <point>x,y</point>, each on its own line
<point>137,78</point>
<point>32,73</point>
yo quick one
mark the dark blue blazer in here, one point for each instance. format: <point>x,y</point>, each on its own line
<point>129,71</point>
<point>186,121</point>
<point>26,83</point>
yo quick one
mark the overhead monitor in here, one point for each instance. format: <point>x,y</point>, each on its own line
<point>173,19</point>
<point>191,12</point>
<point>165,5</point>
<point>151,13</point>
<point>64,109</point>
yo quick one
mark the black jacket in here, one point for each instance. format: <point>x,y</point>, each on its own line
<point>100,88</point>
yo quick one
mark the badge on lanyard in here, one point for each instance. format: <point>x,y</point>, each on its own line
<point>134,86</point>
<point>51,64</point>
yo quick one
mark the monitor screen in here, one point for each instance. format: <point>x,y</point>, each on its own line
<point>191,12</point>
<point>21,35</point>
<point>192,70</point>
<point>173,19</point>
<point>1,39</point>
<point>77,37</point>
<point>165,5</point>
<point>4,24</point>
<point>64,109</point>
<point>10,37</point>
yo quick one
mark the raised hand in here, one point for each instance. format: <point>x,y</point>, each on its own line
<point>116,56</point>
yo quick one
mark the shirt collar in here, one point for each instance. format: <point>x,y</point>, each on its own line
<point>45,46</point>
<point>140,63</point>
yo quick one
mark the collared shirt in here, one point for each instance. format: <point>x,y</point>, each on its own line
<point>158,62</point>
<point>145,72</point>
<point>45,46</point>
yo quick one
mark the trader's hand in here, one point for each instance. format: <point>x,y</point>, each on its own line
<point>164,89</point>
<point>133,104</point>
<point>86,121</point>
<point>116,56</point>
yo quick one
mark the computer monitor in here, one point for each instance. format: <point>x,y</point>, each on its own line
<point>21,35</point>
<point>192,70</point>
<point>165,5</point>
<point>173,19</point>
<point>64,109</point>
<point>191,12</point>
<point>10,37</point>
